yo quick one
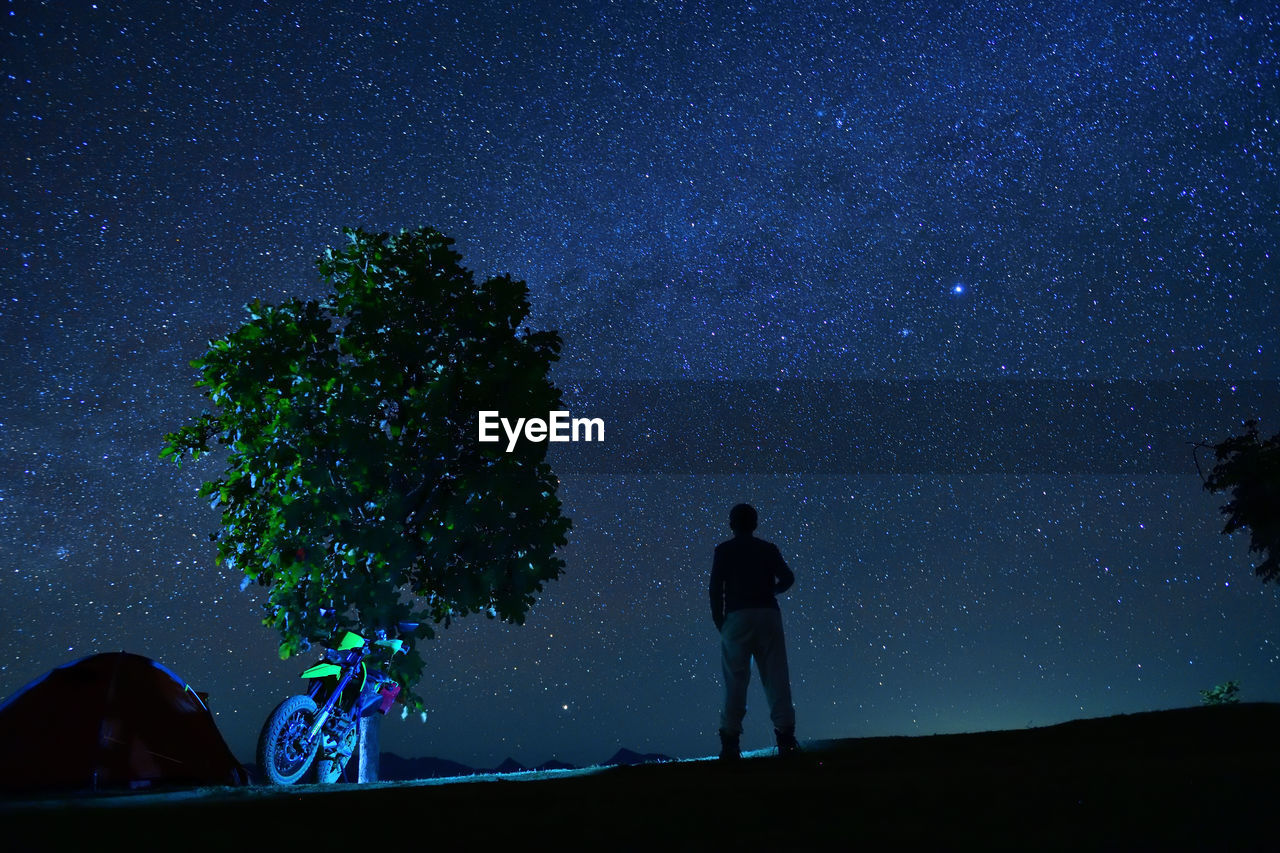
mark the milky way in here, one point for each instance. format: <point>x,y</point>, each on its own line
<point>829,201</point>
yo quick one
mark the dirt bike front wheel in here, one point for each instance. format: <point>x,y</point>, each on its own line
<point>285,748</point>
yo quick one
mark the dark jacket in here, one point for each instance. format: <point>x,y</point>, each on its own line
<point>746,572</point>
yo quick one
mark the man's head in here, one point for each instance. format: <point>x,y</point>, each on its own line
<point>742,518</point>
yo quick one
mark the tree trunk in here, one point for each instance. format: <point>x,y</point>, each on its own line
<point>369,747</point>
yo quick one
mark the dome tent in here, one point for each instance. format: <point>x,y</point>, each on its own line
<point>110,721</point>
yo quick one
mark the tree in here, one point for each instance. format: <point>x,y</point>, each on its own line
<point>1221,694</point>
<point>356,489</point>
<point>1249,468</point>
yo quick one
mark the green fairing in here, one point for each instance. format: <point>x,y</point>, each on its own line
<point>350,640</point>
<point>323,670</point>
<point>396,646</point>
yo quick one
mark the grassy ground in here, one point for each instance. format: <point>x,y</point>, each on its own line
<point>1196,778</point>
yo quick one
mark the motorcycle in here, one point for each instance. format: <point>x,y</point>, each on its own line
<point>322,726</point>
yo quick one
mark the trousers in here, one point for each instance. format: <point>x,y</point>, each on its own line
<point>747,634</point>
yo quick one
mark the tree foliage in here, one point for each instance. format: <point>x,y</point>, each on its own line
<point>1249,468</point>
<point>355,487</point>
<point>1221,694</point>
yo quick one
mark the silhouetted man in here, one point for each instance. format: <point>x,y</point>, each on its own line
<point>746,574</point>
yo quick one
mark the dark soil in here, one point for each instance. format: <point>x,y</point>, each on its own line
<point>1194,778</point>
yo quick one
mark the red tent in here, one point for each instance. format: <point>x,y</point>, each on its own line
<point>111,720</point>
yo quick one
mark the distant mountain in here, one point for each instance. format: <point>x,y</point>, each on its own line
<point>393,768</point>
<point>509,765</point>
<point>627,757</point>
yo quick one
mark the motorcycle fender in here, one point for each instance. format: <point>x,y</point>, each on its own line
<point>322,670</point>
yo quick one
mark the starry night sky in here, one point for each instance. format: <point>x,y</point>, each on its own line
<point>712,202</point>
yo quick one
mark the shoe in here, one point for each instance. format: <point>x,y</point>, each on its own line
<point>729,750</point>
<point>787,743</point>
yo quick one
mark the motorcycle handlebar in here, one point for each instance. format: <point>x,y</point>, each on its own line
<point>381,634</point>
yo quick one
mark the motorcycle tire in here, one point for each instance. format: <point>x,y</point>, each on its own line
<point>329,767</point>
<point>284,751</point>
